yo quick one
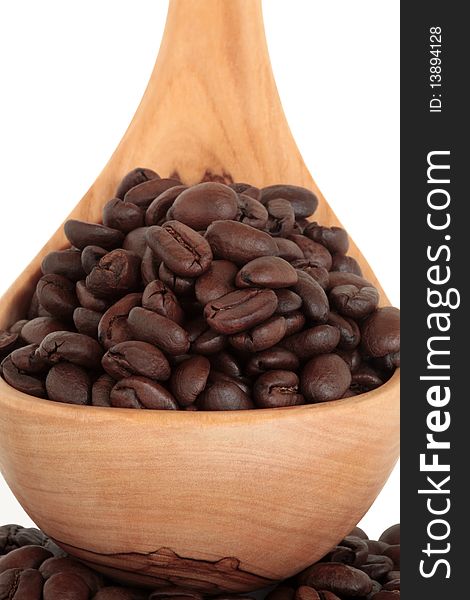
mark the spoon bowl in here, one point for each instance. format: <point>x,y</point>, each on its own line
<point>212,501</point>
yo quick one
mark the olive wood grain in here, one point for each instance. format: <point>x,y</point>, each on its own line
<point>218,501</point>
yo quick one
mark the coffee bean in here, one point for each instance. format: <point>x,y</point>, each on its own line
<point>136,358</point>
<point>321,275</point>
<point>149,267</point>
<point>281,217</point>
<point>158,298</point>
<point>175,592</point>
<point>240,310</point>
<point>133,178</point>
<point>325,377</point>
<point>337,578</point>
<point>155,214</point>
<point>381,332</point>
<point>16,327</point>
<point>274,389</point>
<point>189,379</point>
<point>377,566</point>
<point>218,280</point>
<point>386,595</point>
<point>21,584</point>
<point>315,253</point>
<point>81,234</point>
<point>117,273</point>
<point>360,533</point>
<point>391,535</point>
<point>392,585</point>
<point>335,239</point>
<point>136,241</point>
<point>224,396</point>
<point>320,339</point>
<point>144,193</point>
<point>208,342</point>
<point>27,557</point>
<point>28,384</point>
<point>364,379</point>
<point>204,203</point>
<point>304,592</point>
<point>182,286</point>
<point>295,322</point>
<point>263,336</point>
<point>251,212</point>
<point>393,552</point>
<point>275,358</point>
<point>8,341</point>
<point>350,335</point>
<point>218,377</point>
<point>181,248</point>
<point>27,360</point>
<point>35,331</point>
<point>114,327</point>
<point>119,593</point>
<point>267,271</point>
<point>86,321</point>
<point>314,300</point>
<point>91,256</point>
<point>101,391</point>
<point>67,263</point>
<point>89,300</point>
<point>287,301</point>
<point>76,348</point>
<point>164,333</point>
<point>350,551</point>
<point>65,585</point>
<point>238,242</point>
<point>226,363</point>
<point>57,295</point>
<point>68,383</point>
<point>376,547</point>
<point>140,392</point>
<point>303,201</point>
<point>354,302</point>
<point>337,278</point>
<point>346,264</point>
<point>122,215</point>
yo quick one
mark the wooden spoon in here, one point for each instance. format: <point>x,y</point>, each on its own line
<point>216,501</point>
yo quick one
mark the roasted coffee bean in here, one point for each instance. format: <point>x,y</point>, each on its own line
<point>16,327</point>
<point>101,391</point>
<point>295,322</point>
<point>364,379</point>
<point>89,300</point>
<point>149,267</point>
<point>263,336</point>
<point>202,204</point>
<point>238,242</point>
<point>136,358</point>
<point>315,303</point>
<point>319,274</point>
<point>377,566</point>
<point>303,201</point>
<point>376,587</point>
<point>376,547</point>
<point>321,339</point>
<point>140,392</point>
<point>226,363</point>
<point>8,341</point>
<point>66,564</point>
<point>117,273</point>
<point>189,379</point>
<point>251,212</point>
<point>273,359</point>
<point>68,383</point>
<point>155,214</point>
<point>392,584</point>
<point>287,301</point>
<point>67,263</point>
<point>224,395</point>
<point>350,551</point>
<point>381,332</point>
<point>164,333</point>
<point>91,256</point>
<point>281,217</point>
<point>175,592</point>
<point>136,241</point>
<point>325,377</point>
<point>274,389</point>
<point>393,552</point>
<point>388,362</point>
<point>158,298</point>
<point>288,250</point>
<point>27,360</point>
<point>76,348</point>
<point>315,253</point>
<point>65,585</point>
<point>337,578</point>
<point>267,271</point>
<point>391,535</point>
<point>360,533</point>
<point>143,194</point>
<point>217,281</point>
<point>18,584</point>
<point>346,264</point>
<point>208,342</point>
<point>240,310</point>
<point>337,278</point>
<point>133,178</point>
<point>113,327</point>
<point>386,595</point>
<point>35,331</point>
<point>304,592</point>
<point>23,382</point>
<point>182,286</point>
<point>181,248</point>
<point>119,593</point>
<point>351,357</point>
<point>354,302</point>
<point>26,557</point>
<point>57,295</point>
<point>86,321</point>
<point>392,576</point>
<point>122,215</point>
<point>15,536</point>
<point>335,239</point>
<point>350,335</point>
<point>81,234</point>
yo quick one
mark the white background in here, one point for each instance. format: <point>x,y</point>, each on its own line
<point>72,74</point>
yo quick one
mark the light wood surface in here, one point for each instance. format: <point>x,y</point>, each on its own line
<point>213,500</point>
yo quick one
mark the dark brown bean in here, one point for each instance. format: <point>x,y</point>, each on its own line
<point>241,382</point>
<point>204,203</point>
<point>101,391</point>
<point>315,302</point>
<point>208,342</point>
<point>65,585</point>
<point>217,281</point>
<point>27,557</point>
<point>288,250</point>
<point>295,322</point>
<point>381,332</point>
<point>189,379</point>
<point>8,341</point>
<point>76,348</point>
<point>133,178</point>
<point>157,210</point>
<point>325,377</point>
<point>66,564</point>
<point>350,335</point>
<point>226,363</point>
<point>116,273</point>
<point>86,321</point>
<point>275,358</point>
<point>158,298</point>
<point>15,328</point>
<point>238,242</point>
<point>281,217</point>
<point>267,271</point>
<point>304,202</point>
<point>317,254</point>
<point>352,358</point>
<point>35,331</point>
<point>81,234</point>
<point>377,566</point>
<point>391,535</point>
<point>113,327</point>
<point>67,263</point>
<point>251,212</point>
<point>181,248</point>
<point>335,239</point>
<point>354,302</point>
<point>386,595</point>
<point>224,396</point>
<point>360,533</point>
<point>240,310</point>
<point>175,592</point>
<point>376,547</point>
<point>304,592</point>
<point>68,383</point>
<point>393,552</point>
<point>91,256</point>
<point>122,215</point>
<point>164,333</point>
<point>337,278</point>
<point>120,593</point>
<point>89,300</point>
<point>21,584</point>
<point>365,378</point>
<point>182,286</point>
<point>57,295</point>
<point>321,339</point>
<point>274,389</point>
<point>26,359</point>
<point>346,264</point>
<point>144,193</point>
<point>140,392</point>
<point>136,241</point>
<point>263,336</point>
<point>136,358</point>
<point>337,578</point>
<point>350,551</point>
<point>28,384</point>
<point>320,274</point>
<point>149,267</point>
<point>287,301</point>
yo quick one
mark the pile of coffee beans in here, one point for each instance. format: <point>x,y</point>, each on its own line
<point>203,297</point>
<point>33,568</point>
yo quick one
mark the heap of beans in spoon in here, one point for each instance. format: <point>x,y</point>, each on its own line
<point>202,297</point>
